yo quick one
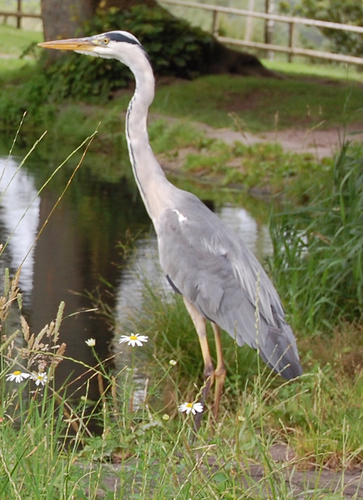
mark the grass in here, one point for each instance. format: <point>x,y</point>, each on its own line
<point>148,451</point>
<point>318,248</point>
<point>14,42</point>
<point>261,103</point>
<point>342,72</point>
<point>302,100</point>
<point>257,104</point>
<point>262,167</point>
<point>306,96</point>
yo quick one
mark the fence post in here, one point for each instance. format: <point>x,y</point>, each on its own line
<point>18,19</point>
<point>215,22</point>
<point>249,21</point>
<point>269,26</point>
<point>291,40</point>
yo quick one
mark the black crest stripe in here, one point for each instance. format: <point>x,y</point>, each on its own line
<point>119,37</point>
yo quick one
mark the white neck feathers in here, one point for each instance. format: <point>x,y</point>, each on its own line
<point>149,176</point>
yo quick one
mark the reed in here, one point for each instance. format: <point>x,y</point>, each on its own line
<point>317,261</point>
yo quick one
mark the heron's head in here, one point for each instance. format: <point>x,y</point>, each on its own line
<point>119,45</point>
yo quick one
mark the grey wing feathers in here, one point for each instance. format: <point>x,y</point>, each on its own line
<point>209,265</point>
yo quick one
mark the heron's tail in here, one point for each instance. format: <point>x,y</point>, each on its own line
<point>280,352</point>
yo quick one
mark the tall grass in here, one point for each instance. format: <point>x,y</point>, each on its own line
<point>149,450</point>
<point>318,250</point>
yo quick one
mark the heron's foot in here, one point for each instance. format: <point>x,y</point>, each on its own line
<point>208,382</point>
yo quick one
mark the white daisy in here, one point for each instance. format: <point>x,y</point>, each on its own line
<point>91,342</point>
<point>17,376</point>
<point>133,339</point>
<point>191,407</point>
<point>40,378</point>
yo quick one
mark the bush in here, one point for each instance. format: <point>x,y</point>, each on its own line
<point>30,97</point>
<point>318,250</point>
<point>175,48</point>
<point>337,11</point>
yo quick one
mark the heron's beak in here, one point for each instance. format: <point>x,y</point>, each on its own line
<point>81,44</point>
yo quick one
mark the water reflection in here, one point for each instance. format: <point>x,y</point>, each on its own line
<point>256,236</point>
<point>77,252</point>
<point>19,221</point>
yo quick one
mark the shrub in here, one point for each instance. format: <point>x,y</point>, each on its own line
<point>175,48</point>
<point>338,11</point>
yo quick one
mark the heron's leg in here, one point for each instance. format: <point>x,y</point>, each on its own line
<point>220,371</point>
<point>200,326</point>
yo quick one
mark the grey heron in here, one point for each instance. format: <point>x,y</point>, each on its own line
<point>220,280</point>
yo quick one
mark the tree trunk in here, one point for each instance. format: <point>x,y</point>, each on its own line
<point>63,18</point>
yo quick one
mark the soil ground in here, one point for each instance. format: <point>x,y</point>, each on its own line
<point>300,484</point>
<point>320,143</point>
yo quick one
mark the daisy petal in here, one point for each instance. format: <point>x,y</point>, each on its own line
<point>133,339</point>
<point>191,408</point>
<point>17,376</point>
<point>40,378</point>
<point>197,408</point>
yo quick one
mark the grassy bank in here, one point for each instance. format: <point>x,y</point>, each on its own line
<point>145,447</point>
<point>268,437</point>
<point>273,440</point>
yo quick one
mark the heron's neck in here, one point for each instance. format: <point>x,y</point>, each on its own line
<point>149,176</point>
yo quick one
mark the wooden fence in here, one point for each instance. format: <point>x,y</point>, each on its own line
<point>290,48</point>
<point>18,14</point>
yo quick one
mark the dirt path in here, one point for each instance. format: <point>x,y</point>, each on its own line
<point>320,143</point>
<point>298,484</point>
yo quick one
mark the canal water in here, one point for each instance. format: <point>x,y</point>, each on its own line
<point>78,259</point>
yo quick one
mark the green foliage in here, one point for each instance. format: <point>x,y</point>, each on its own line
<point>32,97</point>
<point>174,47</point>
<point>338,11</point>
<point>166,136</point>
<point>263,167</point>
<point>318,250</point>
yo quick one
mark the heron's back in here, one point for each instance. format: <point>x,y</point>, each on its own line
<point>210,265</point>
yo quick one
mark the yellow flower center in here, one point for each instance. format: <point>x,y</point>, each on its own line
<point>189,405</point>
<point>17,373</point>
<point>133,337</point>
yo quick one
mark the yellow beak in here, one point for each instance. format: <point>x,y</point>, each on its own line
<point>70,44</point>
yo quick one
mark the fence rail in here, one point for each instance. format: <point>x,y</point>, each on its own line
<point>18,14</point>
<point>290,48</point>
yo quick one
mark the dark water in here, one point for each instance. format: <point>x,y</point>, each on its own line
<point>78,253</point>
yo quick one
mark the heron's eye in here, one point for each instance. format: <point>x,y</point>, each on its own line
<point>106,41</point>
